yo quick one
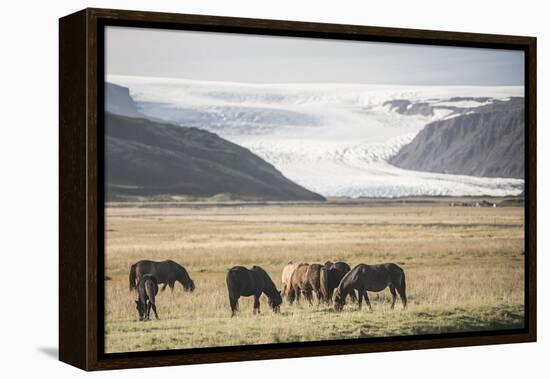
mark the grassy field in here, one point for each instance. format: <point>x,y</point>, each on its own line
<point>464,270</point>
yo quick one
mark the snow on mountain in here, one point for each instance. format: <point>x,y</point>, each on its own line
<point>334,139</point>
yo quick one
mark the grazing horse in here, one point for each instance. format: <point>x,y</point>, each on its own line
<point>373,278</point>
<point>147,290</point>
<point>286,276</point>
<point>313,283</point>
<point>330,276</point>
<point>298,284</point>
<point>244,282</point>
<point>305,280</point>
<point>166,272</point>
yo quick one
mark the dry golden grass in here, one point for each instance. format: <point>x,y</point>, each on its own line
<point>464,270</point>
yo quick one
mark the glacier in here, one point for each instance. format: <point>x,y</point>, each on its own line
<point>334,139</point>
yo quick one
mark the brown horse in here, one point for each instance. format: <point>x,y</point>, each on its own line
<point>147,290</point>
<point>313,276</point>
<point>298,284</point>
<point>373,278</point>
<point>244,282</point>
<point>288,270</point>
<point>330,276</point>
<point>305,280</point>
<point>166,272</point>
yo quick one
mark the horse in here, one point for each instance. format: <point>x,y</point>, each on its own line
<point>286,276</point>
<point>313,283</point>
<point>298,284</point>
<point>165,272</point>
<point>244,282</point>
<point>147,290</point>
<point>330,276</point>
<point>305,280</point>
<point>373,278</point>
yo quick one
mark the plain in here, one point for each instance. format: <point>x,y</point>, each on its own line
<point>464,267</point>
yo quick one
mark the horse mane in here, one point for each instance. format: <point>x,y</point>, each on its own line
<point>132,277</point>
<point>271,288</point>
<point>343,286</point>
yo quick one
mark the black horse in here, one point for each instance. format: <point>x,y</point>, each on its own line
<point>373,278</point>
<point>166,272</point>
<point>330,277</point>
<point>244,282</point>
<point>147,290</point>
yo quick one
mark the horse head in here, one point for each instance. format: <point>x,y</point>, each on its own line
<point>338,299</point>
<point>140,309</point>
<point>275,301</point>
<point>191,286</point>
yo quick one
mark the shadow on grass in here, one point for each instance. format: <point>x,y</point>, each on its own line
<point>458,320</point>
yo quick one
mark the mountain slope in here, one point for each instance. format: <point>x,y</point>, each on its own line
<point>147,158</point>
<point>118,101</point>
<point>488,142</point>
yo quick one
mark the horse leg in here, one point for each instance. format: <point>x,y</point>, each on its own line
<point>148,309</point>
<point>367,301</point>
<point>155,310</point>
<point>164,287</point>
<point>320,297</point>
<point>353,296</point>
<point>256,304</point>
<point>171,284</point>
<point>234,304</point>
<point>309,297</point>
<point>393,295</point>
<point>291,295</point>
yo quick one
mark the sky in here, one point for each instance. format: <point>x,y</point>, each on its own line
<point>267,59</point>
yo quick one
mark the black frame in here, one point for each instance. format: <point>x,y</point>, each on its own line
<point>81,167</point>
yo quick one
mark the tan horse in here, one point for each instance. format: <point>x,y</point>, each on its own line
<point>287,275</point>
<point>306,280</point>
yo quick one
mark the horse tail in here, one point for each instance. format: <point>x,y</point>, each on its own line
<point>151,288</point>
<point>323,284</point>
<point>232,291</point>
<point>132,277</point>
<point>403,288</point>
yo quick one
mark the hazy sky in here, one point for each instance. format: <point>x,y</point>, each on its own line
<point>266,59</point>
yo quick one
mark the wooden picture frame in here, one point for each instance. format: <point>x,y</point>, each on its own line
<point>81,198</point>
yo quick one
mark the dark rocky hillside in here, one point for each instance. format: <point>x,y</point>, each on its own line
<point>488,142</point>
<point>148,158</point>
